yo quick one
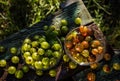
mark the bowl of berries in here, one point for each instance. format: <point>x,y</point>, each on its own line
<point>85,45</point>
<point>40,51</point>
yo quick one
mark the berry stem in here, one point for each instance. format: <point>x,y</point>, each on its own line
<point>4,76</point>
<point>58,72</point>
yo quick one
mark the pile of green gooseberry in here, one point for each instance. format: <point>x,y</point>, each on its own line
<point>41,53</point>
<point>11,65</point>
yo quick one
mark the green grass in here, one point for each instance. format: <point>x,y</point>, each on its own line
<point>106,15</point>
<point>18,14</point>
